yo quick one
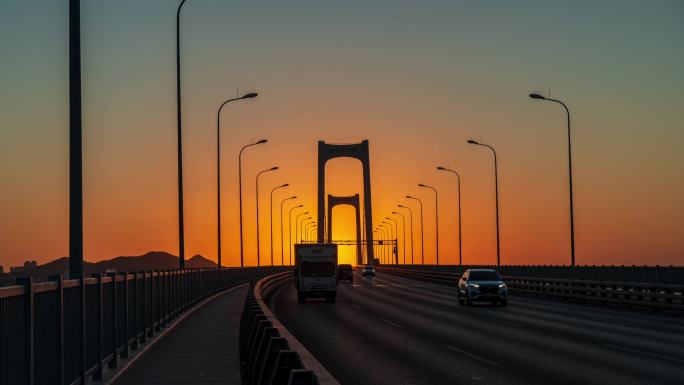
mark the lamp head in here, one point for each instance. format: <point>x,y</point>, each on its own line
<point>273,168</point>
<point>473,141</point>
<point>299,206</point>
<point>394,212</point>
<point>537,96</point>
<point>285,185</point>
<point>293,197</point>
<point>402,206</point>
<point>249,95</point>
<point>304,213</point>
<point>409,197</point>
<point>440,168</point>
<point>421,185</point>
<point>262,141</point>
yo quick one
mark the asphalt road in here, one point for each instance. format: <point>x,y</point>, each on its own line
<point>395,331</point>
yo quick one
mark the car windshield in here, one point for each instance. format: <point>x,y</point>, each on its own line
<point>484,276</point>
<point>313,269</point>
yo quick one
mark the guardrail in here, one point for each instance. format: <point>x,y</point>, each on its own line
<point>269,353</point>
<point>632,294</point>
<point>612,273</point>
<point>66,331</point>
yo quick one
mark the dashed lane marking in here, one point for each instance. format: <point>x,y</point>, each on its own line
<point>471,355</point>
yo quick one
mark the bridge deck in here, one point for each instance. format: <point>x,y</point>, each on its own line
<point>203,349</point>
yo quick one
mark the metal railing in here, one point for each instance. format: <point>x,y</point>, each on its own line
<point>66,331</point>
<point>612,273</point>
<point>632,294</point>
<point>269,354</point>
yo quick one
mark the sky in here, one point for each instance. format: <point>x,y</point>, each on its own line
<point>415,78</point>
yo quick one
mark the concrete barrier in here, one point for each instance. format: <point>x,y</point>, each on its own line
<point>269,353</point>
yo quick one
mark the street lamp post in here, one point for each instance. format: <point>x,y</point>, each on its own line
<point>297,226</point>
<point>458,178</point>
<point>274,168</point>
<point>496,187</point>
<point>300,229</point>
<point>242,259</point>
<point>411,220</point>
<point>76,146</point>
<point>396,233</point>
<point>218,167</point>
<point>436,219</point>
<point>403,229</point>
<point>271,213</point>
<point>572,211</point>
<point>282,247</point>
<point>422,239</point>
<point>383,249</point>
<point>289,230</point>
<point>391,233</point>
<point>181,232</point>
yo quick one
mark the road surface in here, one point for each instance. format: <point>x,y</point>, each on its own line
<point>396,331</point>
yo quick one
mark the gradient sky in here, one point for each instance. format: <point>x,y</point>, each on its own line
<point>415,78</point>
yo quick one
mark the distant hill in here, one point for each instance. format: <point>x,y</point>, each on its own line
<point>153,260</point>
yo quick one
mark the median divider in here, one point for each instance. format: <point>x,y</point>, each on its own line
<point>630,294</point>
<point>269,353</point>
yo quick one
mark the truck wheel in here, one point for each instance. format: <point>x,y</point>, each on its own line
<point>301,298</point>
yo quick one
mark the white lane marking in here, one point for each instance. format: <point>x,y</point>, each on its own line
<point>471,355</point>
<point>504,322</point>
<point>644,353</point>
<point>357,307</point>
<point>393,285</point>
<point>396,325</point>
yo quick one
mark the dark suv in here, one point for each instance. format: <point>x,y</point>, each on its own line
<point>345,273</point>
<point>482,285</point>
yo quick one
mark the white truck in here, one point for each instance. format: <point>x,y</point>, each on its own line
<point>315,271</point>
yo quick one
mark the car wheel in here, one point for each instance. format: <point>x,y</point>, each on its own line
<point>503,302</point>
<point>460,301</point>
<point>468,301</point>
<point>301,298</point>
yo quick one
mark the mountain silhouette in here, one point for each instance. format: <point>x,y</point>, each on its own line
<point>153,260</point>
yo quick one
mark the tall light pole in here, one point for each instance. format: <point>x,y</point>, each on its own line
<point>572,210</point>
<point>458,178</point>
<point>403,229</point>
<point>297,225</point>
<point>271,212</point>
<point>383,237</point>
<point>274,168</point>
<point>289,230</point>
<point>305,231</point>
<point>312,230</point>
<point>422,233</point>
<point>181,232</point>
<point>282,248</point>
<point>436,218</point>
<point>242,259</point>
<point>76,145</point>
<point>411,219</point>
<point>392,237</point>
<point>218,167</point>
<point>299,229</point>
<point>496,188</point>
<point>396,238</point>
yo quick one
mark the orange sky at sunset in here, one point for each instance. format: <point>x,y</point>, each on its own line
<point>415,82</point>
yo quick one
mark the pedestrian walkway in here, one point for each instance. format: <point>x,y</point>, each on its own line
<point>202,349</point>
